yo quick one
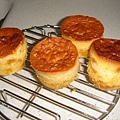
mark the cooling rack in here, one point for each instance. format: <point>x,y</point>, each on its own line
<point>23,97</point>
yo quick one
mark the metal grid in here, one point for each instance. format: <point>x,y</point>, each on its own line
<point>23,97</point>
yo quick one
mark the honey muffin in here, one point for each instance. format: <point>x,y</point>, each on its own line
<point>104,64</point>
<point>82,31</point>
<point>13,50</point>
<point>55,61</point>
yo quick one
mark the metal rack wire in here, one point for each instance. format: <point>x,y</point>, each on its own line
<point>24,97</point>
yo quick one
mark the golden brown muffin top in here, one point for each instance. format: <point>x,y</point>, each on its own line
<point>82,28</point>
<point>53,54</point>
<point>10,38</point>
<point>109,48</point>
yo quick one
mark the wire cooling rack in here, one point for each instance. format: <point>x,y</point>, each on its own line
<point>23,97</point>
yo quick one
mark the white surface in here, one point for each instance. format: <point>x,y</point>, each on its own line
<point>27,13</point>
<point>5,6</point>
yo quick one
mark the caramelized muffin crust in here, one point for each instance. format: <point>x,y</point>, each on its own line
<point>53,54</point>
<point>109,48</point>
<point>10,38</point>
<point>82,28</point>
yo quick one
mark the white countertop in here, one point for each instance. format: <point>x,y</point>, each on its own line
<point>27,13</point>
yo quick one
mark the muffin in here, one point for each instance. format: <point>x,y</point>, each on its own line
<point>13,50</point>
<point>55,61</point>
<point>104,64</point>
<point>82,31</point>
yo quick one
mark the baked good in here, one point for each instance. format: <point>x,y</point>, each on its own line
<point>104,64</point>
<point>13,50</point>
<point>55,61</point>
<point>82,31</point>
